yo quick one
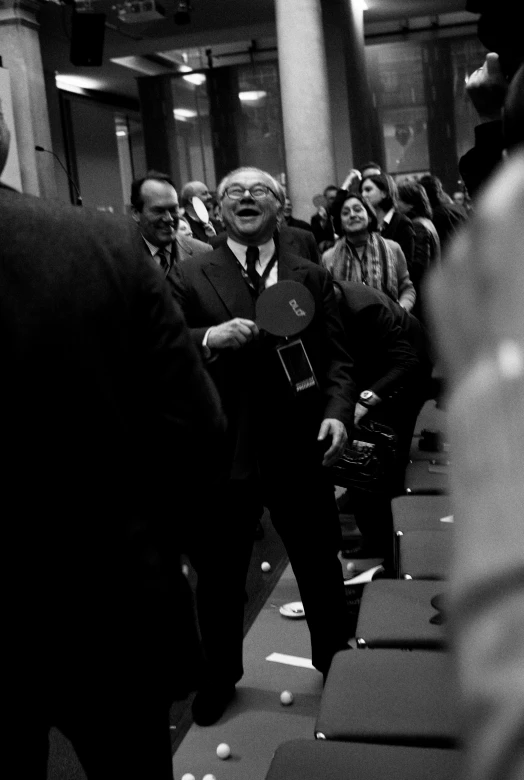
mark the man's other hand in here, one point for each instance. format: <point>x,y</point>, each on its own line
<point>232,334</point>
<point>336,430</point>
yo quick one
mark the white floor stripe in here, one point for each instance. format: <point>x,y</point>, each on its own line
<point>290,660</point>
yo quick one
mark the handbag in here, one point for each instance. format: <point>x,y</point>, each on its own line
<point>367,460</point>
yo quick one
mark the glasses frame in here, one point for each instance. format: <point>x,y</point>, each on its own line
<point>248,189</point>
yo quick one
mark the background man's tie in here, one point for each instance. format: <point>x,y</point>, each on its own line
<point>164,260</point>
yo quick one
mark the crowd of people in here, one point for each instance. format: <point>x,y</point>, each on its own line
<point>134,368</point>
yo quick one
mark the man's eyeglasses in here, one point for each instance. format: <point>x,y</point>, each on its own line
<point>257,191</point>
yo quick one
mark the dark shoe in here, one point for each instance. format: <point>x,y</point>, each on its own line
<point>210,703</point>
<point>360,550</point>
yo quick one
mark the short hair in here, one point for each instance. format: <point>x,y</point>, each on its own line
<point>188,191</point>
<point>414,194</point>
<point>329,187</point>
<point>434,189</point>
<point>279,189</point>
<point>370,164</point>
<point>387,185</point>
<point>342,198</point>
<point>136,197</point>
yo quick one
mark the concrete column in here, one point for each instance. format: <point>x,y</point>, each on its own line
<point>306,113</point>
<point>20,52</point>
<point>366,132</point>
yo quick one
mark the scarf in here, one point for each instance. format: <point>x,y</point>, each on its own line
<point>376,268</point>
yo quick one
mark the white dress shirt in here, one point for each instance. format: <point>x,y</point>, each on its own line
<point>266,253</point>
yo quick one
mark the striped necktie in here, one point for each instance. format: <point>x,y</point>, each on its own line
<point>164,261</point>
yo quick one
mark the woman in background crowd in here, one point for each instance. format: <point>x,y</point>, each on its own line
<point>363,255</point>
<point>380,191</point>
<point>414,203</point>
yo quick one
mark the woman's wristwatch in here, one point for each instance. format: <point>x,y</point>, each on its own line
<point>368,398</point>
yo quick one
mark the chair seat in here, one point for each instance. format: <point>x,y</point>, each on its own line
<point>317,760</point>
<point>389,697</point>
<point>425,555</point>
<point>419,513</point>
<point>424,478</point>
<point>397,613</point>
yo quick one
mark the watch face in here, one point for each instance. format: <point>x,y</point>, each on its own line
<point>366,395</point>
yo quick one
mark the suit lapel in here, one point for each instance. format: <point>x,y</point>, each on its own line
<point>225,276</point>
<point>181,249</point>
<point>289,268</point>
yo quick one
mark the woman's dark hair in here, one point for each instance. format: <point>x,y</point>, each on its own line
<point>342,197</point>
<point>386,184</point>
<point>414,194</point>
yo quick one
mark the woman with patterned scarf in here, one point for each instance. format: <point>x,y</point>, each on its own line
<point>362,255</point>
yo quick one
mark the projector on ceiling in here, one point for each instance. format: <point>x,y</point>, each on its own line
<point>140,11</point>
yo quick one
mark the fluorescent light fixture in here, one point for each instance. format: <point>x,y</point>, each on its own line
<point>184,114</point>
<point>141,65</point>
<point>362,4</point>
<point>75,83</point>
<point>195,78</point>
<point>251,96</point>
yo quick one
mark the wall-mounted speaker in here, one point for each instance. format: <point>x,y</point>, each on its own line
<point>87,38</point>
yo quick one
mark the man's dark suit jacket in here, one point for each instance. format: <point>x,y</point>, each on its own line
<point>385,340</point>
<point>250,380</point>
<point>299,242</point>
<point>182,249</point>
<point>298,223</point>
<point>292,240</point>
<point>102,393</point>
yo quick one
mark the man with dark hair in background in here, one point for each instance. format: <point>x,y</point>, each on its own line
<point>322,222</point>
<point>105,411</point>
<point>202,231</point>
<point>155,209</point>
<point>290,220</point>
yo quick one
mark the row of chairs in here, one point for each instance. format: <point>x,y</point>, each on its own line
<point>388,710</point>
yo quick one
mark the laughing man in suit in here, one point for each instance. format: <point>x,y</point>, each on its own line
<point>155,209</point>
<point>278,442</point>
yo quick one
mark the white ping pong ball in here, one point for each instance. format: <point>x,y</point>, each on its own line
<point>209,777</point>
<point>266,566</point>
<point>188,776</point>
<point>223,750</point>
<point>286,697</point>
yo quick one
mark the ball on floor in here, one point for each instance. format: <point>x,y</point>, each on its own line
<point>223,750</point>
<point>266,566</point>
<point>188,776</point>
<point>286,698</point>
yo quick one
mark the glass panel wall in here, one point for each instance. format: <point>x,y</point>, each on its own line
<point>397,80</point>
<point>419,88</point>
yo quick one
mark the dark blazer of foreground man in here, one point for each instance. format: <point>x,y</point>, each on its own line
<point>273,456</point>
<point>102,397</point>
